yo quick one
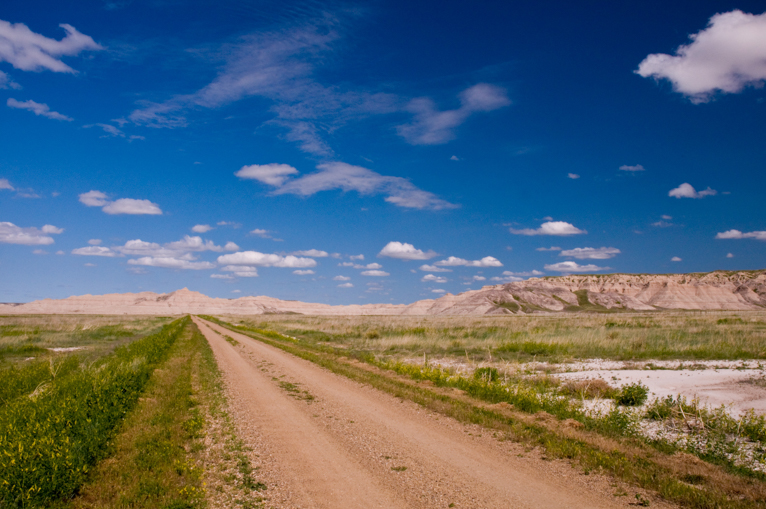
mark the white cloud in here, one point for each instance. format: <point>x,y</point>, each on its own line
<point>438,290</point>
<point>433,127</point>
<point>346,177</point>
<point>95,251</point>
<point>266,260</point>
<point>736,234</point>
<point>60,252</point>
<point>675,259</point>
<point>171,263</point>
<point>12,234</point>
<point>201,228</point>
<point>261,233</point>
<point>375,273</point>
<point>4,184</point>
<point>93,199</point>
<point>40,252</point>
<point>452,261</point>
<point>132,206</point>
<point>89,265</point>
<point>728,55</point>
<point>552,248</point>
<point>560,228</point>
<point>356,257</point>
<point>573,176</point>
<point>359,266</point>
<point>454,158</point>
<point>304,272</point>
<point>28,51</point>
<point>585,253</point>
<point>341,278</point>
<point>121,206</point>
<point>637,167</point>
<point>94,242</point>
<point>433,279</point>
<point>222,276</point>
<point>433,268</point>
<point>687,191</point>
<point>273,174</point>
<point>573,267</point>
<point>729,255</point>
<point>230,246</point>
<point>345,285</point>
<point>241,270</point>
<point>478,278</point>
<point>312,253</point>
<point>7,82</point>
<point>189,243</point>
<point>404,251</point>
<point>523,274</point>
<point>39,109</point>
<point>228,223</point>
<point>667,217</point>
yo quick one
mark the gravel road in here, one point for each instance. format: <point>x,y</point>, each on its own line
<point>320,440</point>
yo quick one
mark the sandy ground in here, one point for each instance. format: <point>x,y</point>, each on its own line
<point>739,390</point>
<point>352,446</point>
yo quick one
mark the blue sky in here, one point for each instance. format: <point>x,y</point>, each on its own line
<point>375,151</point>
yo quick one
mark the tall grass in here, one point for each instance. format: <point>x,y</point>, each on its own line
<point>51,439</point>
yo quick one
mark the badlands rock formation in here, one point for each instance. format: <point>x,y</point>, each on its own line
<point>719,290</point>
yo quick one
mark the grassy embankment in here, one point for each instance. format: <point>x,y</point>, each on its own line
<point>561,337</point>
<point>86,433</point>
<point>530,413</point>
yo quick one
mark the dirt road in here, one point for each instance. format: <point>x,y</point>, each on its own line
<point>325,441</point>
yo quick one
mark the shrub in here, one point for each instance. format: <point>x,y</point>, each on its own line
<point>486,374</point>
<point>634,394</point>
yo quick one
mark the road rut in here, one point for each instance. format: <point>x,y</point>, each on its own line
<point>328,442</point>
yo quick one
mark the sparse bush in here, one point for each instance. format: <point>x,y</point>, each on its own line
<point>634,394</point>
<point>486,374</point>
<point>589,389</point>
<point>372,334</point>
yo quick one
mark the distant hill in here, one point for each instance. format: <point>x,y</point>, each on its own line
<point>744,290</point>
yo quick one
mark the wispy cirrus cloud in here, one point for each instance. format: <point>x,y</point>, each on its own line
<point>29,51</point>
<point>38,109</point>
<point>727,56</point>
<point>345,177</point>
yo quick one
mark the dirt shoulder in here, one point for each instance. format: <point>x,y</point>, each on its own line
<point>325,441</point>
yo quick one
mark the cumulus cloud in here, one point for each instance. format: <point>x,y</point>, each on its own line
<point>729,255</point>
<point>346,177</point>
<point>404,251</point>
<point>559,228</point>
<point>637,167</point>
<point>201,228</point>
<point>28,51</point>
<point>190,244</point>
<point>452,261</point>
<point>170,263</point>
<point>4,184</point>
<point>359,266</point>
<point>573,267</point>
<point>379,273</point>
<point>727,56</point>
<point>94,242</point>
<point>438,290</point>
<point>552,248</point>
<point>230,246</point>
<point>345,285</point>
<point>273,174</point>
<point>222,276</point>
<point>433,127</point>
<point>12,234</point>
<point>264,234</point>
<point>675,259</point>
<point>39,109</point>
<point>304,272</point>
<point>736,234</point>
<point>433,268</point>
<point>119,206</point>
<point>95,251</point>
<point>312,253</point>
<point>341,278</point>
<point>241,270</point>
<point>687,191</point>
<point>356,257</point>
<point>585,253</point>
<point>430,278</point>
<point>255,258</point>
<point>573,176</point>
<point>523,274</point>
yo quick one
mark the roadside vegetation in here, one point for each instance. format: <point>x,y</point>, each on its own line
<point>689,454</point>
<point>689,336</point>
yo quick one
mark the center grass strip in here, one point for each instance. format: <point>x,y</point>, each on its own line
<point>178,448</point>
<point>629,460</point>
